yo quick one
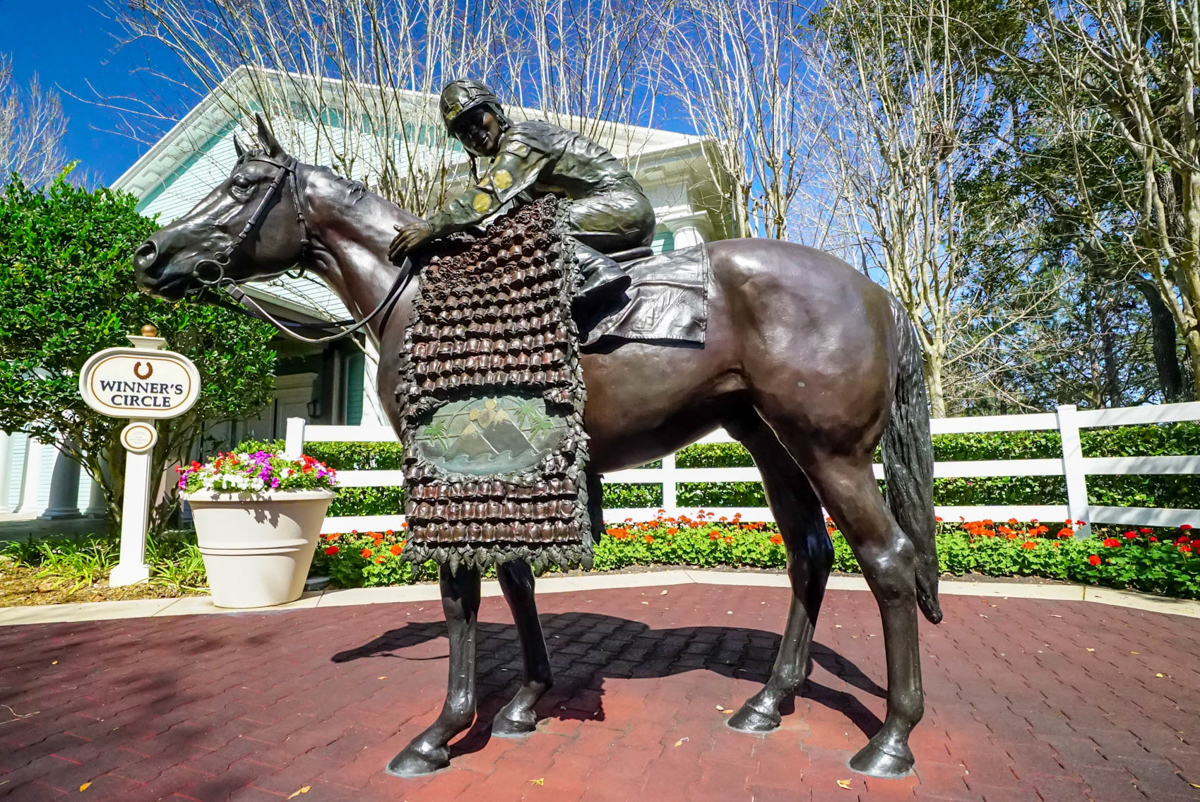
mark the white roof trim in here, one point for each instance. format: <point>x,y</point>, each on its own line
<point>165,155</point>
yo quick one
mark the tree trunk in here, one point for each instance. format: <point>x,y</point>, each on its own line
<point>934,370</point>
<point>1111,395</point>
<point>1165,341</point>
<point>1192,341</point>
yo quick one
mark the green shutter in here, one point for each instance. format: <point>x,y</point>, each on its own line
<point>663,241</point>
<point>355,365</point>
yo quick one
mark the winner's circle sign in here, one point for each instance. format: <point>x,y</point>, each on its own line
<point>144,383</point>
<point>139,383</point>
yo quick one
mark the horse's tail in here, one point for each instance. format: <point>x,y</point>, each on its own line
<point>908,464</point>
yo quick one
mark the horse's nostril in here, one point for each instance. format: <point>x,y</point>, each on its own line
<point>145,256</point>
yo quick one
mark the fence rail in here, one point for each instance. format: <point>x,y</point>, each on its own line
<point>1072,465</point>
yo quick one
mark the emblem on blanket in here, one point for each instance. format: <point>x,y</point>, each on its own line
<point>493,399</point>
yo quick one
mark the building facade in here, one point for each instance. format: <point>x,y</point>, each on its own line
<point>333,384</point>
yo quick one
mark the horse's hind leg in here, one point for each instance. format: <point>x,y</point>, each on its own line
<point>517,717</point>
<point>809,556</point>
<point>430,750</point>
<point>848,487</point>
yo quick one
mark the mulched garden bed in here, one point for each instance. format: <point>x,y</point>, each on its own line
<point>21,587</point>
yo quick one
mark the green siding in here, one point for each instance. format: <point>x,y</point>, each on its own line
<point>184,166</point>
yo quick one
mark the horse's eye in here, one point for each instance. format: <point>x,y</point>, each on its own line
<point>241,187</point>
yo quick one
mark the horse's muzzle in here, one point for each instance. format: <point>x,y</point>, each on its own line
<point>156,273</point>
<point>145,258</point>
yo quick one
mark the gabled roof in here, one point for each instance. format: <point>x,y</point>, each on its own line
<point>213,119</point>
<point>197,154</point>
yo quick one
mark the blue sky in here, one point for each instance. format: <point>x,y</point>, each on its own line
<point>68,43</point>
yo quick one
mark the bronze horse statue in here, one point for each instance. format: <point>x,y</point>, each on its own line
<point>807,363</point>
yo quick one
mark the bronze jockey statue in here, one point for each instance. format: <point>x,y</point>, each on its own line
<point>609,213</point>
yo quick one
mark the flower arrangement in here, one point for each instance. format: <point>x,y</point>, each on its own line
<point>1152,560</point>
<point>255,472</point>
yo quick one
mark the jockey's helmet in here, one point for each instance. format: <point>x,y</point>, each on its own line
<point>463,95</point>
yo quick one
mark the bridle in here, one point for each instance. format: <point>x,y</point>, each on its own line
<point>231,286</point>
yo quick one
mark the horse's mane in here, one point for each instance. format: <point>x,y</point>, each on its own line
<point>355,189</point>
<point>352,191</point>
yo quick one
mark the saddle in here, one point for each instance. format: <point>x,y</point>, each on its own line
<point>667,301</point>
<point>492,399</point>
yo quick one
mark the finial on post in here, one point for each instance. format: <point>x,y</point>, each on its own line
<point>148,338</point>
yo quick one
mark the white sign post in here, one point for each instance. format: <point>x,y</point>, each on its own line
<point>144,383</point>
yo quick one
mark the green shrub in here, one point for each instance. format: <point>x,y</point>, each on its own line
<point>1165,563</point>
<point>1155,561</point>
<point>1180,492</point>
<point>623,496</point>
<point>1115,491</point>
<point>996,445</point>
<point>966,492</point>
<point>357,456</point>
<point>67,290</point>
<point>1156,440</point>
<point>367,501</point>
<point>721,494</point>
<point>714,455</point>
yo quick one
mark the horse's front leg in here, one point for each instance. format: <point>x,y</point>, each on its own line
<point>518,718</point>
<point>430,750</point>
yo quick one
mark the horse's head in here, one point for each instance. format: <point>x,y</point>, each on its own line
<point>250,227</point>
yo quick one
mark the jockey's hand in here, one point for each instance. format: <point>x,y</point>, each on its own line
<point>408,238</point>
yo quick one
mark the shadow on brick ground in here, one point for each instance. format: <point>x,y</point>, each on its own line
<point>588,648</point>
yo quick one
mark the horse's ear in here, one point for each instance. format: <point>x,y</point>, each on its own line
<point>266,137</point>
<point>237,146</point>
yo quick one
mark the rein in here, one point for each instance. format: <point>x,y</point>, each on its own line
<point>252,307</point>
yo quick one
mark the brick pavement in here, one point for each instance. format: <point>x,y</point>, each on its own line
<point>1026,700</point>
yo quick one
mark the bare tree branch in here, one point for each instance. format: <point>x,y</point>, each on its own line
<point>32,126</point>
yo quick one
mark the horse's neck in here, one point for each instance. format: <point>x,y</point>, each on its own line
<point>353,229</point>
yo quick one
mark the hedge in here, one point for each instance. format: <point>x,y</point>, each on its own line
<point>1166,563</point>
<point>1115,491</point>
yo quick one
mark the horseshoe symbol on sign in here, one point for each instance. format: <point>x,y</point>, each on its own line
<point>138,373</point>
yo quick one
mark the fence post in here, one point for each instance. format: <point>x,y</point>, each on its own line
<point>669,501</point>
<point>1072,451</point>
<point>294,445</point>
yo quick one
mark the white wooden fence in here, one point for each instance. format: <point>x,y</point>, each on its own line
<point>1067,420</point>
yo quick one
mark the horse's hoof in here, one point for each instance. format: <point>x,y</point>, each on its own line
<point>750,720</point>
<point>505,727</point>
<point>411,763</point>
<point>873,761</point>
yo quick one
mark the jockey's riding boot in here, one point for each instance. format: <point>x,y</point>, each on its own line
<point>604,282</point>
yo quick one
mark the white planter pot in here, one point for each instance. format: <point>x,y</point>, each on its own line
<point>258,547</point>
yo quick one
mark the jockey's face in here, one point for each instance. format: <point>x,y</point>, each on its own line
<point>479,131</point>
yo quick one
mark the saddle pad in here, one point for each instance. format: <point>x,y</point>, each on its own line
<point>668,300</point>
<point>492,399</point>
